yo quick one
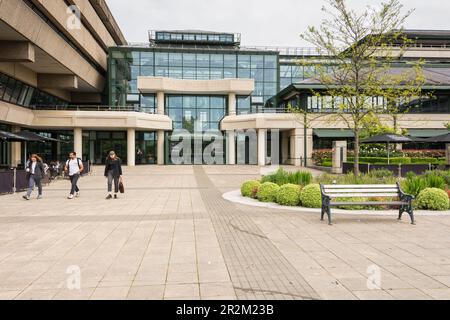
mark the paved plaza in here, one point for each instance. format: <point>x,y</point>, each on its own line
<point>172,236</point>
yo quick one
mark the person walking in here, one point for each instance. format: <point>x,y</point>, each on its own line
<point>35,174</point>
<point>113,171</point>
<point>74,167</point>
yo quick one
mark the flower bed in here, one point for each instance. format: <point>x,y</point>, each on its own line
<point>300,189</point>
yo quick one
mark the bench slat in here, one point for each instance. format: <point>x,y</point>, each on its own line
<point>368,203</point>
<point>331,191</point>
<point>362,195</point>
<point>359,186</point>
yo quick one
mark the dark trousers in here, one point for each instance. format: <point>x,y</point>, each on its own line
<point>74,181</point>
<point>32,182</point>
<point>112,178</point>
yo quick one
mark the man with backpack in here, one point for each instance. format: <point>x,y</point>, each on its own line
<point>74,167</point>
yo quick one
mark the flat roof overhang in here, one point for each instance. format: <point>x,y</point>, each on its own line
<point>150,85</point>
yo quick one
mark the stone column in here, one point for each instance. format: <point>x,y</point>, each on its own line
<point>310,146</point>
<point>131,147</point>
<point>297,147</point>
<point>16,149</point>
<point>232,104</point>
<point>160,149</point>
<point>78,142</point>
<point>339,156</point>
<point>262,147</point>
<point>284,147</point>
<point>160,100</point>
<point>231,151</point>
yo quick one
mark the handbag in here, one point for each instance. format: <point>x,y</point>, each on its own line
<point>121,187</point>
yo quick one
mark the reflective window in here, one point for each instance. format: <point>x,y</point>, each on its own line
<point>216,60</point>
<point>189,60</point>
<point>203,60</point>
<point>161,59</point>
<point>257,62</point>
<point>175,59</point>
<point>147,58</point>
<point>244,62</point>
<point>229,61</point>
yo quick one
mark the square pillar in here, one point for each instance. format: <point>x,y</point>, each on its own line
<point>297,146</point>
<point>339,156</point>
<point>284,147</point>
<point>78,142</point>
<point>231,150</point>
<point>160,101</point>
<point>262,146</point>
<point>131,147</point>
<point>16,150</point>
<point>232,104</point>
<point>160,149</point>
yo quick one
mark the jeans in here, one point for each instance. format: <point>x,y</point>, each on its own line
<point>74,181</point>
<point>112,178</point>
<point>31,183</point>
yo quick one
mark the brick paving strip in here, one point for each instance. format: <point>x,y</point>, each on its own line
<point>258,270</point>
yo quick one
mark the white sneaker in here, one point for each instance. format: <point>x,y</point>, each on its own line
<point>70,197</point>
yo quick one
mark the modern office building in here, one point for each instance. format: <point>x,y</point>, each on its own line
<point>67,72</point>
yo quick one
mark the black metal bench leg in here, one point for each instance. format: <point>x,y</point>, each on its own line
<point>329,216</point>
<point>411,214</point>
<point>402,209</point>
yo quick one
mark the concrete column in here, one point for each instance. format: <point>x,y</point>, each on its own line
<point>160,149</point>
<point>78,142</point>
<point>339,156</point>
<point>232,104</point>
<point>297,147</point>
<point>262,146</point>
<point>284,147</point>
<point>160,100</point>
<point>16,149</point>
<point>310,146</point>
<point>231,151</point>
<point>131,147</point>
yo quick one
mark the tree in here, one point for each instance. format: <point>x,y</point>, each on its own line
<point>362,79</point>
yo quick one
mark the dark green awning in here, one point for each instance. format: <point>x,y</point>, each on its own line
<point>426,133</point>
<point>334,133</point>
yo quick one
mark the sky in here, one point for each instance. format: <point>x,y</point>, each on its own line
<point>261,22</point>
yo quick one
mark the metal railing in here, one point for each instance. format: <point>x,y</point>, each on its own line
<point>88,108</point>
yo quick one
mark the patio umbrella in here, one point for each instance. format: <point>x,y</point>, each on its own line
<point>11,137</point>
<point>444,138</point>
<point>388,138</point>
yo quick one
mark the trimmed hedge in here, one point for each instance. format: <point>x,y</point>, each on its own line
<point>433,199</point>
<point>289,195</point>
<point>268,192</point>
<point>250,188</point>
<point>311,196</point>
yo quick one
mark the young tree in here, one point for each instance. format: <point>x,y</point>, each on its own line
<point>362,78</point>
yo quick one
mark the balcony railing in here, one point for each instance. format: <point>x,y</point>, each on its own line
<point>89,108</point>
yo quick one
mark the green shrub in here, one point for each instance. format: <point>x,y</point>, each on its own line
<point>380,174</point>
<point>413,185</point>
<point>268,192</point>
<point>311,196</point>
<point>250,188</point>
<point>433,199</point>
<point>445,174</point>
<point>301,178</point>
<point>289,195</point>
<point>326,163</point>
<point>350,178</point>
<point>282,177</point>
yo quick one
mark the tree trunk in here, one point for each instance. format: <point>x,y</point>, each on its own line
<point>356,150</point>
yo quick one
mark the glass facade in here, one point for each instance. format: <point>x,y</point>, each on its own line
<point>146,148</point>
<point>126,65</point>
<point>51,151</point>
<point>98,144</point>
<point>16,92</point>
<point>5,148</point>
<point>293,73</point>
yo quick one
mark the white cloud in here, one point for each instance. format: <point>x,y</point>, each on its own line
<point>261,22</point>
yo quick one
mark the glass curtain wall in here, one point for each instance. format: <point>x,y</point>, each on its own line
<point>125,67</point>
<point>98,144</point>
<point>16,92</point>
<point>196,115</point>
<point>146,148</point>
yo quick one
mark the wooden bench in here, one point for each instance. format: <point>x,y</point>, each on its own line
<point>336,195</point>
